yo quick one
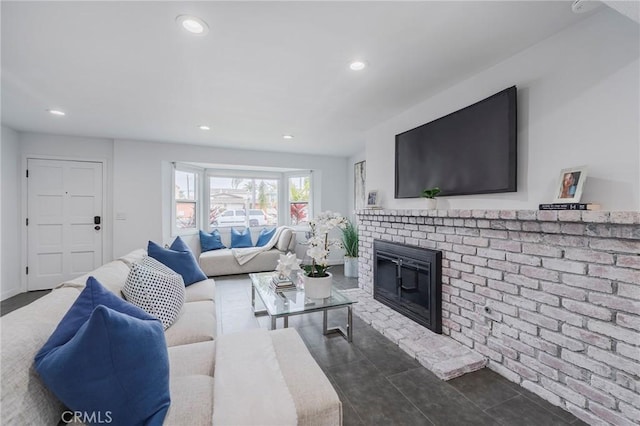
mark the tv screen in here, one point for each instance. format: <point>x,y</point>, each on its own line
<point>470,151</point>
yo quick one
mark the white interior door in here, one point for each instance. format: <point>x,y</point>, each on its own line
<point>64,199</point>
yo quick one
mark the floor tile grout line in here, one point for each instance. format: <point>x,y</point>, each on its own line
<point>335,383</point>
<point>410,402</point>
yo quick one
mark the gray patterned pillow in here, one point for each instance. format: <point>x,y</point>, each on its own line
<point>156,289</point>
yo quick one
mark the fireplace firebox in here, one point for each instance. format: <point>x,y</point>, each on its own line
<point>408,279</point>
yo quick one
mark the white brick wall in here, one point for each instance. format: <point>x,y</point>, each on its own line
<point>563,292</point>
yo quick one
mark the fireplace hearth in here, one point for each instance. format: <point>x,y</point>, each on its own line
<point>408,279</point>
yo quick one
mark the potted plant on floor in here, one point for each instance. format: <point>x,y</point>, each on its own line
<point>317,280</point>
<point>430,195</point>
<point>350,244</point>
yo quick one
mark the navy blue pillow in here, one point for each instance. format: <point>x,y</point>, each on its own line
<point>92,295</point>
<point>265,236</point>
<point>211,241</point>
<point>241,239</point>
<point>107,355</point>
<point>179,258</point>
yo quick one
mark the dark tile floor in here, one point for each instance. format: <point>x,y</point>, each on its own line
<point>18,301</point>
<point>380,384</point>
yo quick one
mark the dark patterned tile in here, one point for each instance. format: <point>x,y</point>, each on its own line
<point>373,397</point>
<point>484,387</point>
<point>523,412</point>
<point>440,402</point>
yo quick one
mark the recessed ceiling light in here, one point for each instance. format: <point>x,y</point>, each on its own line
<point>357,65</point>
<point>56,112</point>
<point>192,24</point>
<point>204,127</point>
<point>287,136</point>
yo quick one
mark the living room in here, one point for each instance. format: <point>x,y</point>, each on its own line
<point>578,104</point>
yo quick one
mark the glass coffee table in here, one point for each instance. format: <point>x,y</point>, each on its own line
<point>286,303</point>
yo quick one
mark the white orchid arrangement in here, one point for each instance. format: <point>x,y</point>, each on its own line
<point>320,244</point>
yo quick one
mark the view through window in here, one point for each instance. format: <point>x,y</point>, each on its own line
<point>299,195</point>
<point>241,201</point>
<point>186,207</point>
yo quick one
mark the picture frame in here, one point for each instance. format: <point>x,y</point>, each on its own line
<point>570,184</point>
<point>373,200</point>
<point>359,184</point>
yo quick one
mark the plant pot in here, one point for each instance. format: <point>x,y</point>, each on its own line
<point>351,267</point>
<point>318,288</point>
<point>431,203</point>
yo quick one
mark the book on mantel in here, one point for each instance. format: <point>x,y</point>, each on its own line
<point>570,206</point>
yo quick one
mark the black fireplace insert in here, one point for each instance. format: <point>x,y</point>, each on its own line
<point>408,279</point>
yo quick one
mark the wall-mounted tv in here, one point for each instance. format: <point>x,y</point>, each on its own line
<point>470,151</point>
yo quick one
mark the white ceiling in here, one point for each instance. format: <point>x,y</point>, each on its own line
<point>125,69</point>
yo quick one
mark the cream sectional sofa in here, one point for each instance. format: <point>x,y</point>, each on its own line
<point>223,262</point>
<point>196,359</point>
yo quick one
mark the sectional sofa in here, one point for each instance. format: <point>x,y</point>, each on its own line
<point>223,261</point>
<point>254,377</point>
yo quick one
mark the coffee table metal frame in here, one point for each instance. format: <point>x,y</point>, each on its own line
<point>293,302</point>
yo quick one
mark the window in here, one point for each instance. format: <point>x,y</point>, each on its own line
<point>299,199</point>
<point>186,200</point>
<point>242,201</point>
<point>217,198</point>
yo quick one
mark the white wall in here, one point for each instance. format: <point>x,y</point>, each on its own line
<point>11,243</point>
<point>142,189</point>
<point>578,104</point>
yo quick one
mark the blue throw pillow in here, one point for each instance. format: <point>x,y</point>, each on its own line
<point>265,236</point>
<point>211,241</point>
<point>90,370</point>
<point>241,239</point>
<point>92,295</point>
<point>179,258</point>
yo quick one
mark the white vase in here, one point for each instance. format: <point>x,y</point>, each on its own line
<point>351,267</point>
<point>431,203</point>
<point>318,288</point>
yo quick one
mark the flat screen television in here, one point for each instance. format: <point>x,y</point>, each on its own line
<point>470,151</point>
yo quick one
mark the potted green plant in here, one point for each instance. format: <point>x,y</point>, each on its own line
<point>350,245</point>
<point>430,195</point>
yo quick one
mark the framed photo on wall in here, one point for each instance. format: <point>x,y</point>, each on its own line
<point>359,182</point>
<point>373,201</point>
<point>570,183</point>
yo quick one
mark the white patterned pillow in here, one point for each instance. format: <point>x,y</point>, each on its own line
<point>156,289</point>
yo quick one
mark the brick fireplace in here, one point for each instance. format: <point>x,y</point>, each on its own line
<point>551,298</point>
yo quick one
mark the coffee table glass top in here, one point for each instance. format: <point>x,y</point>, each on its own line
<point>287,302</point>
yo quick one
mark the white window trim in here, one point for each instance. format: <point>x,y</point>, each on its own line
<point>198,195</point>
<point>287,194</point>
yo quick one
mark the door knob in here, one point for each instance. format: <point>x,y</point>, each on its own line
<point>97,227</point>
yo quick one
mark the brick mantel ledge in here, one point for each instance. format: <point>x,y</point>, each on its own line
<point>570,216</point>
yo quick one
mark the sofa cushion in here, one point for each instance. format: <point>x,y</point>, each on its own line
<point>196,323</point>
<point>192,359</point>
<point>25,400</point>
<point>111,275</point>
<point>212,241</point>
<point>156,289</point>
<point>133,257</point>
<point>202,290</point>
<point>116,365</point>
<point>265,236</point>
<point>284,240</point>
<point>179,258</point>
<point>241,239</point>
<point>317,402</point>
<point>191,401</point>
<point>94,294</point>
